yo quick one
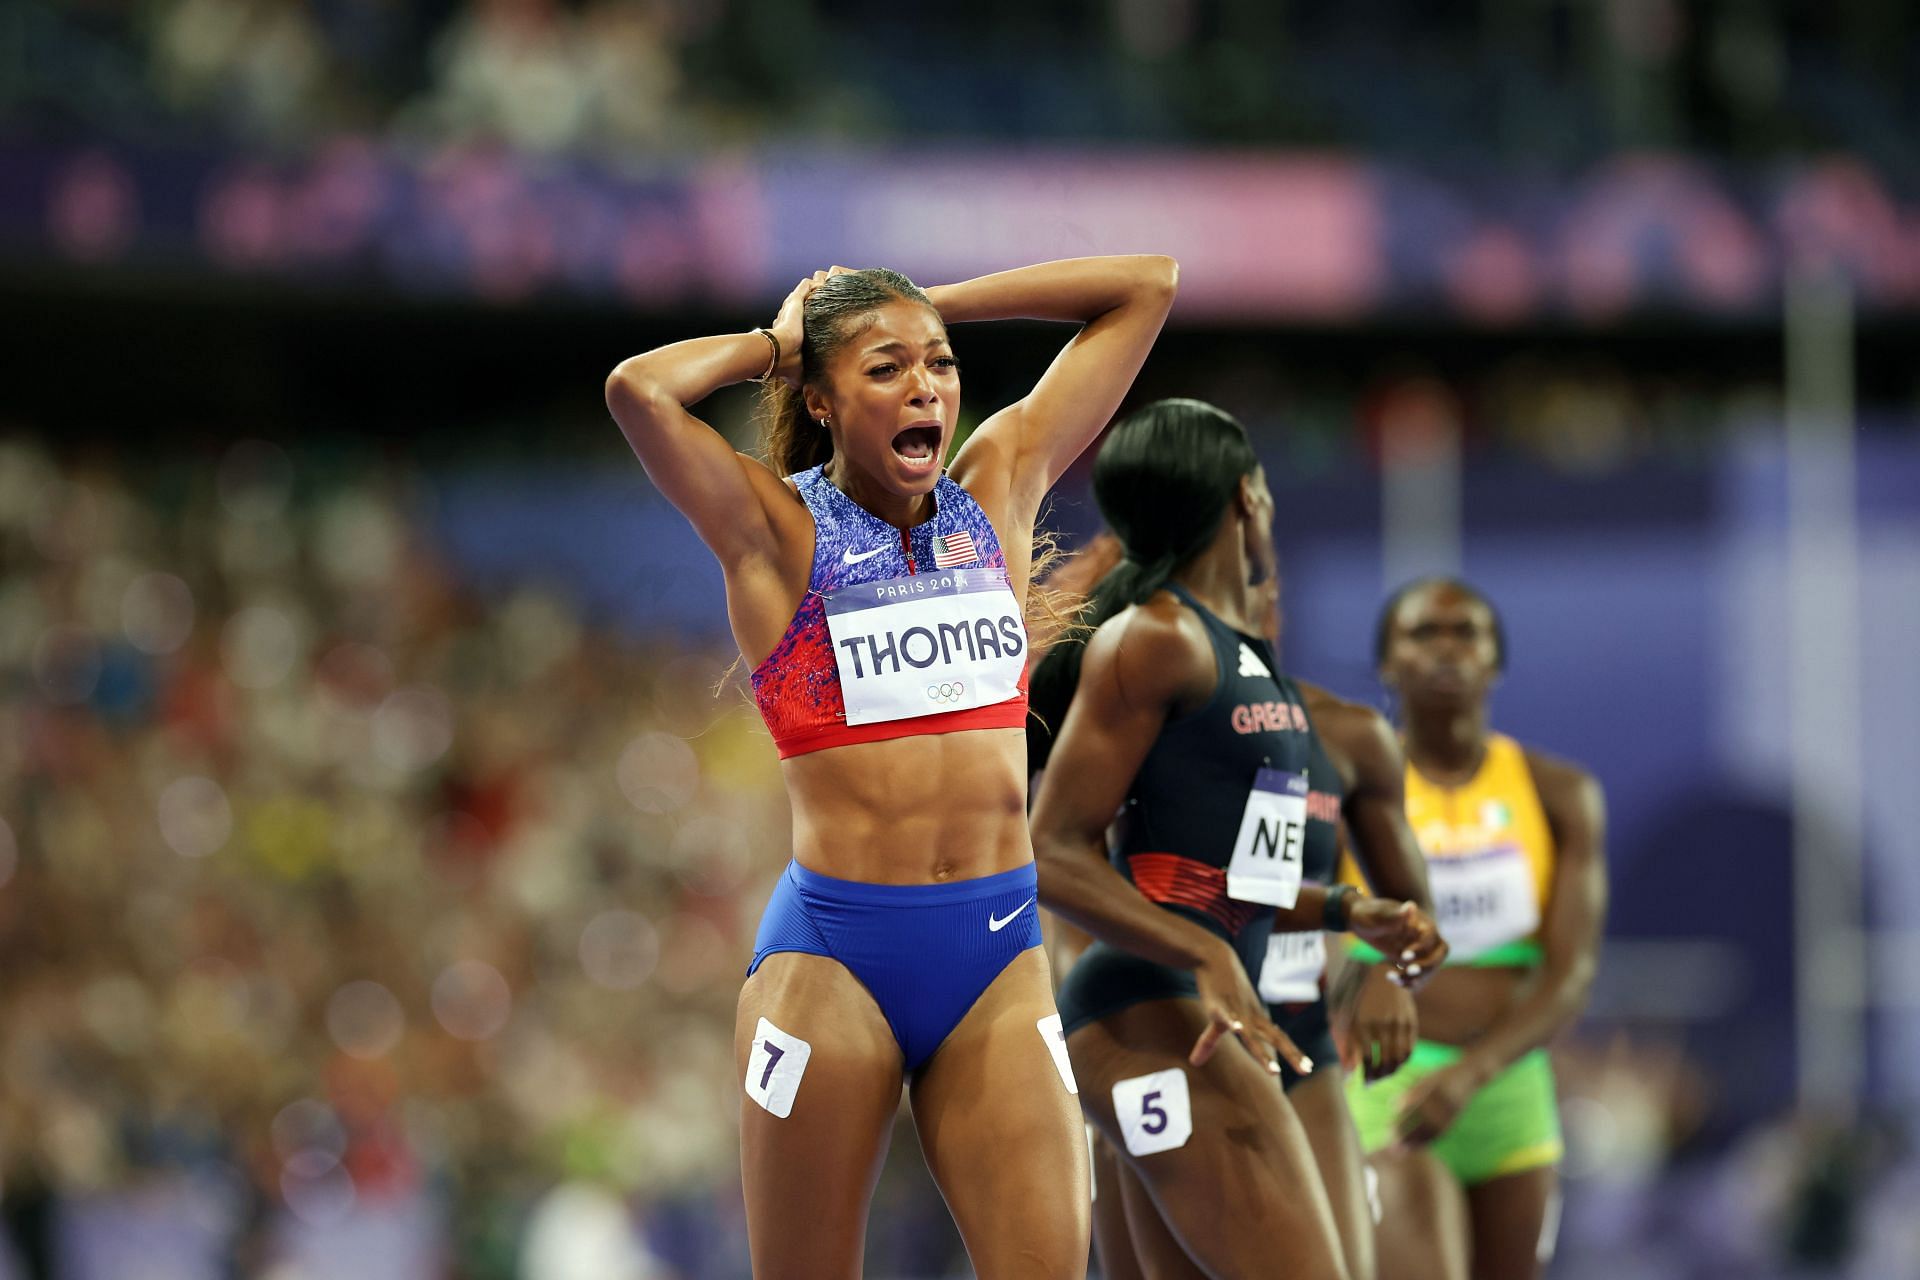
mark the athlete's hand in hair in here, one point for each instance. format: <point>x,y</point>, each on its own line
<point>1382,1029</point>
<point>1234,1008</point>
<point>1431,1106</point>
<point>1403,933</point>
<point>789,324</point>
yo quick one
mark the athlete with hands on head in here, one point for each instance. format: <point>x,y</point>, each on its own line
<point>878,597</point>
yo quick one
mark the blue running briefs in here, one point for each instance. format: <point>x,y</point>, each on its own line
<point>926,952</point>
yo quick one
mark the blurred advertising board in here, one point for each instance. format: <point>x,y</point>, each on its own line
<point>1261,237</point>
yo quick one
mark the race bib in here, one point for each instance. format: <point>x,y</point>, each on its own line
<point>925,643</point>
<point>1154,1112</point>
<point>1294,963</point>
<point>1273,836</point>
<point>775,1065</point>
<point>1482,900</point>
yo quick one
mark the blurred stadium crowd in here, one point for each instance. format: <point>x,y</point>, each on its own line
<point>1562,81</point>
<point>320,880</point>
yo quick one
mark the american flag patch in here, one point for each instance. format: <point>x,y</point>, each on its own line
<point>954,549</point>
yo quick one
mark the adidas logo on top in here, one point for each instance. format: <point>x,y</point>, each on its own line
<point>1250,664</point>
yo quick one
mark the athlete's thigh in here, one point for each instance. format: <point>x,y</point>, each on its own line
<point>1157,1254</point>
<point>1113,1247</point>
<point>1514,1222</point>
<point>1321,1103</point>
<point>1002,1133</point>
<point>809,1040</point>
<point>1218,1146</point>
<point>1423,1217</point>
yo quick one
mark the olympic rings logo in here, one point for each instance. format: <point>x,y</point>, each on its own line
<point>949,691</point>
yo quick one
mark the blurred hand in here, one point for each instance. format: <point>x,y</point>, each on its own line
<point>1383,1027</point>
<point>1431,1106</point>
<point>1233,1007</point>
<point>1404,934</point>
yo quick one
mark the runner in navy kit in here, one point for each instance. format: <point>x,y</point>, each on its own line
<point>1175,716</point>
<point>879,598</point>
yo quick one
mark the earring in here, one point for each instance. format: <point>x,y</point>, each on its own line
<point>824,421</point>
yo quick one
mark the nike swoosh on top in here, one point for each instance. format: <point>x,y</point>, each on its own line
<point>850,556</point>
<point>996,923</point>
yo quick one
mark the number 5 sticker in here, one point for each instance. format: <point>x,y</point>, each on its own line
<point>774,1067</point>
<point>1154,1112</point>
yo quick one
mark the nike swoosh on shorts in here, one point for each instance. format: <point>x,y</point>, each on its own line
<point>996,923</point>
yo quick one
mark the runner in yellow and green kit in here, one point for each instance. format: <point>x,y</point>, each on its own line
<point>1466,1135</point>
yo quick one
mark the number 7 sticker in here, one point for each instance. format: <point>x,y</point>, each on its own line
<point>774,1067</point>
<point>1154,1112</point>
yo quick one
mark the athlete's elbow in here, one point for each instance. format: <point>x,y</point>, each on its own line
<point>1159,278</point>
<point>631,394</point>
<point>1575,983</point>
<point>1053,866</point>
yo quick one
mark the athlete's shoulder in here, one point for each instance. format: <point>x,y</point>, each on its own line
<point>1158,628</point>
<point>1337,715</point>
<point>1565,788</point>
<point>1158,650</point>
<point>1353,731</point>
<point>982,470</point>
<point>780,495</point>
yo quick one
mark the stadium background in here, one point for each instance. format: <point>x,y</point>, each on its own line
<point>377,864</point>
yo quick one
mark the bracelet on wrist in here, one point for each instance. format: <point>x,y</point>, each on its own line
<point>1334,910</point>
<point>773,357</point>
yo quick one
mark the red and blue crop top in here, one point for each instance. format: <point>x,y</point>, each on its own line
<point>901,632</point>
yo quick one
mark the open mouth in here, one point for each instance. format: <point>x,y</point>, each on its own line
<point>918,446</point>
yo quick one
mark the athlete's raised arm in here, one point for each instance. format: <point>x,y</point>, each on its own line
<point>1140,667</point>
<point>1121,301</point>
<point>1570,939</point>
<point>729,497</point>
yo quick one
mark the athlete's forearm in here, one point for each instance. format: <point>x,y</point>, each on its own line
<point>1388,855</point>
<point>1078,884</point>
<point>1399,875</point>
<point>1308,914</point>
<point>1575,916</point>
<point>688,372</point>
<point>1072,289</point>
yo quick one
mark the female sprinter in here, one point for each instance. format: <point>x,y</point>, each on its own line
<point>1176,717</point>
<point>1466,1136</point>
<point>878,598</point>
<point>1355,774</point>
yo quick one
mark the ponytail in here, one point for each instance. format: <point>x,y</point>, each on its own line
<point>792,441</point>
<point>1164,479</point>
<point>1050,690</point>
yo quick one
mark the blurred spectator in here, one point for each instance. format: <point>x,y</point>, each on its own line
<point>260,64</point>
<point>512,70</point>
<point>320,875</point>
<point>1557,83</point>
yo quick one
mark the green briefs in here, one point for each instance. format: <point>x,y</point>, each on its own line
<point>1510,1126</point>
